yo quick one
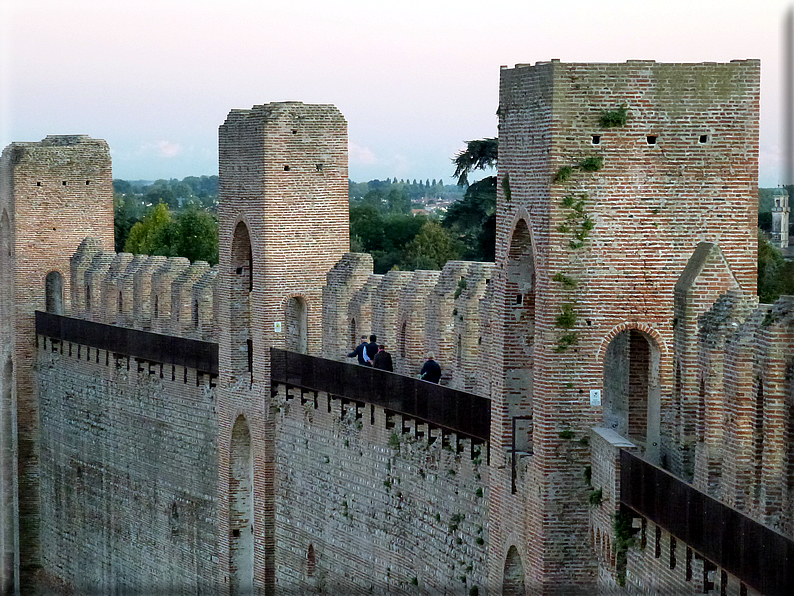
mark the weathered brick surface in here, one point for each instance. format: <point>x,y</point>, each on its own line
<point>53,194</point>
<point>128,468</point>
<point>650,204</point>
<point>283,221</point>
<point>382,510</point>
<point>655,307</point>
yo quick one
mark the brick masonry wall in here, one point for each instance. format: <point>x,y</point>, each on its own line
<point>659,192</point>
<point>276,160</point>
<point>128,474</point>
<point>382,510</point>
<point>53,194</point>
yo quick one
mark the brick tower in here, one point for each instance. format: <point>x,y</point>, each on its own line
<point>52,195</point>
<point>283,224</point>
<point>610,175</point>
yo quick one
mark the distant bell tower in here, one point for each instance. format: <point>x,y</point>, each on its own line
<point>780,218</point>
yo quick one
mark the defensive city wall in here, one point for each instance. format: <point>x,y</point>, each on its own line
<point>616,412</point>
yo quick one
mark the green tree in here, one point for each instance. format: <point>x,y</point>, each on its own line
<point>193,234</point>
<point>197,236</point>
<point>775,274</point>
<point>473,218</point>
<point>481,154</point>
<point>147,235</point>
<point>432,247</point>
<point>128,209</point>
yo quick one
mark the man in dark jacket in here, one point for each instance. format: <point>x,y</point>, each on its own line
<point>383,360</point>
<point>431,371</point>
<point>361,353</point>
<point>372,348</point>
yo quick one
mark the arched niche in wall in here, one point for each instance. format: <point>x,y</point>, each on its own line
<point>631,400</point>
<point>513,583</point>
<point>241,510</point>
<point>240,303</point>
<point>352,334</point>
<point>296,317</point>
<point>53,293</point>
<point>519,333</point>
<point>402,339</point>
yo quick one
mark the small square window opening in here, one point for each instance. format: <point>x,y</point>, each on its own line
<point>651,139</point>
<point>703,139</point>
<point>596,139</point>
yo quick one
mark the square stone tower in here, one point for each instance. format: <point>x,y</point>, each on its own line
<point>283,217</point>
<point>53,194</point>
<point>780,218</point>
<point>609,176</point>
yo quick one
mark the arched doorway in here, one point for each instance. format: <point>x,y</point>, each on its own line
<point>241,284</point>
<point>519,333</point>
<point>513,584</point>
<point>296,323</point>
<point>241,510</point>
<point>631,400</point>
<point>53,293</point>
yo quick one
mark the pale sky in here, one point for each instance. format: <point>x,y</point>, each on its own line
<point>414,79</point>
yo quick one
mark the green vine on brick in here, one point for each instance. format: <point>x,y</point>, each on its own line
<point>566,341</point>
<point>592,163</point>
<point>506,187</point>
<point>624,540</point>
<point>569,283</point>
<point>577,221</point>
<point>462,285</point>
<point>567,317</point>
<point>596,497</point>
<point>614,118</point>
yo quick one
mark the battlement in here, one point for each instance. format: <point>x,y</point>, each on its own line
<point>171,296</point>
<point>413,312</point>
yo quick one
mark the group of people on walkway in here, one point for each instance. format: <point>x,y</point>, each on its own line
<point>372,354</point>
<point>376,356</point>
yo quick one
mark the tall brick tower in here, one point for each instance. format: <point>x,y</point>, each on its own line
<point>610,175</point>
<point>52,195</point>
<point>283,224</point>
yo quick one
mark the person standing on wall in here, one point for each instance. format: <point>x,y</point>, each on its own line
<point>382,360</point>
<point>361,352</point>
<point>372,349</point>
<point>431,371</point>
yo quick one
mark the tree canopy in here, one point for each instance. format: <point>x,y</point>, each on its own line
<point>193,234</point>
<point>480,154</point>
<point>775,274</point>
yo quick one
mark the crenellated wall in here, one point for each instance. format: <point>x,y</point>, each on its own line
<point>413,313</point>
<point>171,296</point>
<point>622,295</point>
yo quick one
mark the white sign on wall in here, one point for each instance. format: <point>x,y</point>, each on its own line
<point>277,326</point>
<point>595,397</point>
